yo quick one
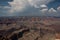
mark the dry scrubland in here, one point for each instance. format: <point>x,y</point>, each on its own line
<point>29,28</point>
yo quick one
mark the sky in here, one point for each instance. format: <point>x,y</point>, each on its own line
<point>30,8</point>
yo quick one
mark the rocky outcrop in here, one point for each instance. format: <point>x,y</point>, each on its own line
<point>28,29</point>
<point>26,34</point>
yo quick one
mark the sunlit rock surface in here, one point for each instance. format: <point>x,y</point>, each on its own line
<point>29,28</point>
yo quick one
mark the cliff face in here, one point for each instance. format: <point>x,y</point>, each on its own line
<point>28,28</point>
<point>27,34</point>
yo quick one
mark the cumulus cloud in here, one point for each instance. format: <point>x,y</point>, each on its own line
<point>20,5</point>
<point>37,3</point>
<point>58,9</point>
<point>43,6</point>
<point>52,10</point>
<point>44,12</point>
<point>43,9</point>
<point>30,7</point>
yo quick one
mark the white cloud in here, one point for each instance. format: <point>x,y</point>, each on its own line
<point>58,9</point>
<point>37,3</point>
<point>43,8</point>
<point>52,10</point>
<point>20,5</point>
<point>44,11</point>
